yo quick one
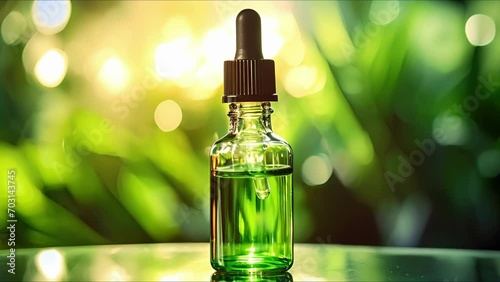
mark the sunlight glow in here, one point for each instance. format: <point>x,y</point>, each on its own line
<point>272,40</point>
<point>175,59</point>
<point>50,17</point>
<point>293,54</point>
<point>51,69</point>
<point>304,80</point>
<point>217,46</point>
<point>209,78</point>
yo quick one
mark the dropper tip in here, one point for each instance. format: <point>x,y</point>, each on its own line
<point>248,35</point>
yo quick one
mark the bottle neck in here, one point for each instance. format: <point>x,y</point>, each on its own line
<point>250,116</point>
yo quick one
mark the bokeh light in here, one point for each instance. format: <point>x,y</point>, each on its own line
<point>488,163</point>
<point>13,27</point>
<point>316,170</point>
<point>168,115</point>
<point>410,219</point>
<point>480,30</point>
<point>51,264</point>
<point>51,68</point>
<point>50,17</point>
<point>114,74</point>
<point>450,130</point>
<point>437,37</point>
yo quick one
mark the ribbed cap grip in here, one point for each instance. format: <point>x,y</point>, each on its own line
<point>249,77</point>
<point>249,81</point>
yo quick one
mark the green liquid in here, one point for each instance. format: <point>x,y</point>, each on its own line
<point>251,219</point>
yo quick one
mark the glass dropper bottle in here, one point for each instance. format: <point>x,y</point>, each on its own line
<point>251,167</point>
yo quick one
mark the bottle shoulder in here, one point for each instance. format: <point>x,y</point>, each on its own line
<point>264,152</point>
<point>269,138</point>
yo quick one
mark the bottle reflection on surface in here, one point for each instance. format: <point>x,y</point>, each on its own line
<point>251,276</point>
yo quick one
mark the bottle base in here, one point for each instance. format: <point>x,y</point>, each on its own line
<point>220,276</point>
<point>253,263</point>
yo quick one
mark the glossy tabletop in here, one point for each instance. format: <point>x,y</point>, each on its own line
<point>190,262</point>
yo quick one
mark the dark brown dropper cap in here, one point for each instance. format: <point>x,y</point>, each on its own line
<point>249,77</point>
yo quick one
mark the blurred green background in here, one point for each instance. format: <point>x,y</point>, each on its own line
<point>108,110</point>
